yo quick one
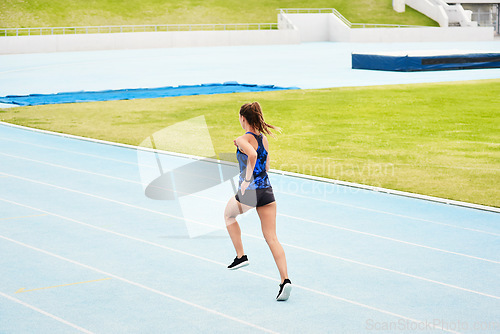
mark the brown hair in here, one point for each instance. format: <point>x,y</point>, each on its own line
<point>253,114</point>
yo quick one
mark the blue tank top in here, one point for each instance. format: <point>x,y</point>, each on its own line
<point>260,177</point>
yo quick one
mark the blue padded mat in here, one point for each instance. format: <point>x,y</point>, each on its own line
<point>422,62</point>
<point>141,93</point>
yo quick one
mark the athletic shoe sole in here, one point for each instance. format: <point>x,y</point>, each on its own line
<point>285,293</point>
<point>241,265</point>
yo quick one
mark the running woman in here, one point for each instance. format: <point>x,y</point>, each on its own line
<point>255,191</point>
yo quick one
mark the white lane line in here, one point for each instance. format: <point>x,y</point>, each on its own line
<point>391,239</point>
<point>20,217</point>
<point>279,214</point>
<point>260,238</point>
<point>197,222</point>
<point>139,285</point>
<point>208,309</point>
<point>222,264</point>
<point>102,198</point>
<point>70,151</point>
<point>15,300</point>
<point>392,271</point>
<point>389,213</point>
<point>285,193</point>
<point>69,168</point>
<point>275,189</point>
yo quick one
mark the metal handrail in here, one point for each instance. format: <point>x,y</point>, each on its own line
<point>189,27</point>
<point>306,10</point>
<point>379,25</point>
<point>315,11</point>
<point>289,24</point>
<point>342,18</point>
<point>134,28</point>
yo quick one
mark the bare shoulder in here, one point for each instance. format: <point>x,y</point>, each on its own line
<point>265,142</point>
<point>244,138</point>
<point>246,143</point>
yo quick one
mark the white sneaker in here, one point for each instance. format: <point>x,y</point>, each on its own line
<point>285,289</point>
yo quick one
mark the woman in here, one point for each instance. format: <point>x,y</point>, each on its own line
<point>255,191</point>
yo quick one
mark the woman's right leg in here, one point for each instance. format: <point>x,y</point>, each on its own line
<point>233,209</point>
<point>267,214</point>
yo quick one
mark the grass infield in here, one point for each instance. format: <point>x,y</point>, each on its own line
<point>440,139</point>
<point>63,13</point>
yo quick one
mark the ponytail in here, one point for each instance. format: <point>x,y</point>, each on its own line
<point>253,114</point>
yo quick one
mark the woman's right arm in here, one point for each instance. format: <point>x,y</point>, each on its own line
<point>266,146</point>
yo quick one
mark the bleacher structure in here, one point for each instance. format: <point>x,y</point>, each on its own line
<point>458,13</point>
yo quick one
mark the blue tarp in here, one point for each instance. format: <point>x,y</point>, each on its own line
<point>425,63</point>
<point>142,93</point>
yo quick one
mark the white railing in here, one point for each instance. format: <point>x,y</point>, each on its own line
<point>287,23</point>
<point>379,25</point>
<point>342,18</point>
<point>134,28</point>
<point>188,27</point>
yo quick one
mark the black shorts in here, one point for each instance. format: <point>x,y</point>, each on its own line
<point>256,197</point>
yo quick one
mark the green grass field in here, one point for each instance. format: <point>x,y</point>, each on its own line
<point>60,13</point>
<point>438,139</point>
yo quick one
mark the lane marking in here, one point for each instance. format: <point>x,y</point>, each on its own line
<point>200,223</point>
<point>392,271</point>
<point>139,285</point>
<point>50,315</point>
<point>222,264</point>
<point>20,217</point>
<point>276,190</point>
<point>392,239</point>
<point>22,290</point>
<point>69,168</point>
<point>71,151</point>
<point>211,310</point>
<point>391,214</point>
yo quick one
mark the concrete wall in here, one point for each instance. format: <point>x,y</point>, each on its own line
<point>138,40</point>
<point>430,34</point>
<point>339,31</point>
<point>328,27</point>
<point>284,22</point>
<point>311,27</point>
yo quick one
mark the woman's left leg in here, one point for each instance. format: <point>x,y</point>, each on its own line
<point>267,215</point>
<point>233,209</point>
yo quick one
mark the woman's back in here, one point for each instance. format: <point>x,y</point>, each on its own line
<point>260,177</point>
